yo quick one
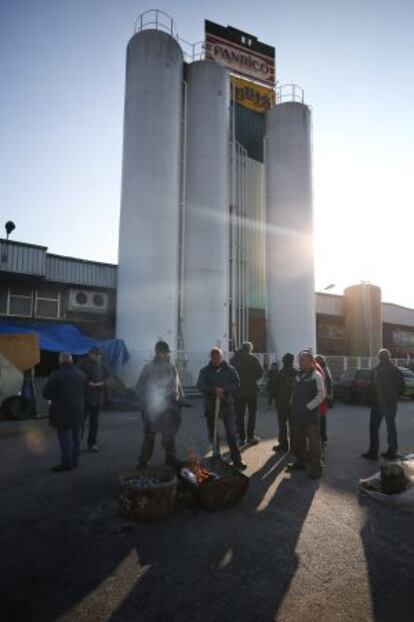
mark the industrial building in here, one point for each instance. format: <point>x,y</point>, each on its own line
<point>37,286</point>
<point>216,227</point>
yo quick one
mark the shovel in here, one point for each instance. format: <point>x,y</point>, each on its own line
<point>216,417</point>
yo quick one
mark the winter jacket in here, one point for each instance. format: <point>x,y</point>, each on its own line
<point>308,394</point>
<point>95,371</point>
<point>160,394</point>
<point>249,371</point>
<point>385,386</point>
<point>225,377</point>
<point>327,380</point>
<point>271,384</point>
<point>66,388</point>
<point>284,387</point>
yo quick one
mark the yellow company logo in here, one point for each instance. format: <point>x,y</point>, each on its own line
<point>251,95</point>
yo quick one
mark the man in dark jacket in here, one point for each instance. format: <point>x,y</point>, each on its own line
<point>271,383</point>
<point>249,371</point>
<point>284,383</point>
<point>97,372</point>
<point>66,390</point>
<point>385,386</point>
<point>219,380</point>
<point>308,394</point>
<point>161,397</point>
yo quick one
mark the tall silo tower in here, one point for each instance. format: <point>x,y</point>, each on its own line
<point>147,299</point>
<point>289,242</point>
<point>363,320</point>
<point>206,230</point>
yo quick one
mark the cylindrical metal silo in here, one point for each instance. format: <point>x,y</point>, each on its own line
<point>289,240</point>
<point>206,238</point>
<point>147,299</point>
<point>363,320</point>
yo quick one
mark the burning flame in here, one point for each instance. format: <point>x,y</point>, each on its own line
<point>201,473</point>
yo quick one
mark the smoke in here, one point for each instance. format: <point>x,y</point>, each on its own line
<point>158,397</point>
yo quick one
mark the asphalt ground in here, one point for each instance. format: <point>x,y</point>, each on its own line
<point>293,550</point>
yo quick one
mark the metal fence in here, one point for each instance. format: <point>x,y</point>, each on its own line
<point>339,364</point>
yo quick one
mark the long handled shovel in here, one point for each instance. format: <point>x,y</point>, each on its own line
<point>216,417</point>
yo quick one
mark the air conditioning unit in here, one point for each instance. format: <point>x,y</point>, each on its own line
<point>88,301</point>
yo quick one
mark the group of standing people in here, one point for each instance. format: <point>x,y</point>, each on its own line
<point>230,391</point>
<point>75,394</point>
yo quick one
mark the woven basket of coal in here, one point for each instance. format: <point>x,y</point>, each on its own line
<point>147,494</point>
<point>216,484</point>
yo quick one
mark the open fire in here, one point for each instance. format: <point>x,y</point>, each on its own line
<point>196,473</point>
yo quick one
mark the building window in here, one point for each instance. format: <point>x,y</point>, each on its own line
<point>3,301</point>
<point>47,304</point>
<point>20,301</point>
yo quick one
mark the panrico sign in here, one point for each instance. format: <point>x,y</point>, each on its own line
<point>240,52</point>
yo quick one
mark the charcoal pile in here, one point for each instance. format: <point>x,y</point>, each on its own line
<point>147,494</point>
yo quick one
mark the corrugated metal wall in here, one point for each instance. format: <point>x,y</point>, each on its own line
<point>78,272</point>
<point>32,260</point>
<point>22,258</point>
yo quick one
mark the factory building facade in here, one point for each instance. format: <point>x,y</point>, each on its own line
<point>36,286</point>
<point>39,286</point>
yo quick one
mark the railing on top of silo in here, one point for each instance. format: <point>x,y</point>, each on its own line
<point>155,19</point>
<point>290,93</point>
<point>192,51</point>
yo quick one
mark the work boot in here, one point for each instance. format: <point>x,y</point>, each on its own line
<point>281,448</point>
<point>253,440</point>
<point>369,456</point>
<point>295,466</point>
<point>240,466</point>
<point>315,474</point>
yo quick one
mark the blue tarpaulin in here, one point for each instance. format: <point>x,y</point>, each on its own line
<point>54,337</point>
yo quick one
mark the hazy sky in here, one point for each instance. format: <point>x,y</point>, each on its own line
<point>62,66</point>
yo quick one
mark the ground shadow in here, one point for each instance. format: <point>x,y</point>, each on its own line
<point>83,563</point>
<point>232,565</point>
<point>388,541</point>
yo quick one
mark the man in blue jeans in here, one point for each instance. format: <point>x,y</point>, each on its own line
<point>219,381</point>
<point>66,389</point>
<point>385,387</point>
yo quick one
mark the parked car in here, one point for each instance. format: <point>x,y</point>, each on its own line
<point>351,386</point>
<point>409,382</point>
